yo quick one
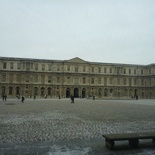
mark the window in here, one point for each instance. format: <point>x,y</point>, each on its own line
<point>99,69</point>
<point>36,66</point>
<point>141,71</point>
<point>84,69</point>
<point>11,65</point>
<point>18,65</point>
<point>124,71</point>
<point>76,68</point>
<point>3,78</point>
<point>105,81</point>
<point>142,82</point>
<point>18,78</point>
<point>124,81</point>
<point>105,70</point>
<point>110,81</point>
<point>49,67</point>
<point>99,80</point>
<point>36,78</point>
<point>42,79</point>
<point>10,78</point>
<point>135,81</point>
<point>118,81</point>
<point>49,79</point>
<point>92,80</point>
<point>84,80</point>
<point>129,71</point>
<point>68,68</point>
<point>43,67</point>
<point>4,65</point>
<point>92,69</point>
<point>58,79</point>
<point>68,79</point>
<point>58,68</point>
<point>27,66</point>
<point>27,77</point>
<point>110,70</point>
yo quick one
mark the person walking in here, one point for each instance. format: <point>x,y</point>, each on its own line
<point>72,99</point>
<point>23,99</point>
<point>5,97</point>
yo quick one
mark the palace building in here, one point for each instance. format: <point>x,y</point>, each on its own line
<point>54,78</point>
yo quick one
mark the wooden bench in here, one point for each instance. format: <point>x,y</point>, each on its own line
<point>133,138</point>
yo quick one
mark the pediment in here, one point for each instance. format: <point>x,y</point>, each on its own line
<point>76,59</point>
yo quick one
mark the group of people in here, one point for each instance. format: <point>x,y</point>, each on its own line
<point>4,97</point>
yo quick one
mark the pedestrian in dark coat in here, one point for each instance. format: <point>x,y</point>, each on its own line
<point>23,99</point>
<point>72,99</point>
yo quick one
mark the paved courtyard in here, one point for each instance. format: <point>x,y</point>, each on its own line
<point>58,127</point>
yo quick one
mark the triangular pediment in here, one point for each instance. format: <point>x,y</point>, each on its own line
<point>76,59</point>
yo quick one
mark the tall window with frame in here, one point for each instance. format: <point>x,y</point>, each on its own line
<point>4,78</point>
<point>18,78</point>
<point>27,77</point>
<point>10,78</point>
<point>110,70</point>
<point>129,71</point>
<point>105,81</point>
<point>36,78</point>
<point>42,79</point>
<point>105,70</point>
<point>84,68</point>
<point>84,80</point>
<point>68,68</point>
<point>99,80</point>
<point>27,66</point>
<point>76,69</point>
<point>99,69</point>
<point>4,65</point>
<point>92,80</point>
<point>36,67</point>
<point>18,65</point>
<point>118,81</point>
<point>43,67</point>
<point>124,81</point>
<point>49,79</point>
<point>49,67</point>
<point>11,65</point>
<point>68,80</point>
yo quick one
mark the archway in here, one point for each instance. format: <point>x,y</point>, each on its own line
<point>17,91</point>
<point>76,92</point>
<point>3,90</point>
<point>42,91</point>
<point>100,92</point>
<point>106,92</point>
<point>135,93</point>
<point>67,92</point>
<point>35,91</point>
<point>83,93</point>
<point>49,91</point>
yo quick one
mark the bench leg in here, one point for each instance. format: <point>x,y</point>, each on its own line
<point>110,144</point>
<point>134,142</point>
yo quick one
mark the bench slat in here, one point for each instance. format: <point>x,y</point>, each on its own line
<point>127,136</point>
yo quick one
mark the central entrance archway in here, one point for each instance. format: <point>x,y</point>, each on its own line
<point>83,93</point>
<point>76,92</point>
<point>67,93</point>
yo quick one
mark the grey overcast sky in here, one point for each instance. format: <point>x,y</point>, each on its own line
<point>113,31</point>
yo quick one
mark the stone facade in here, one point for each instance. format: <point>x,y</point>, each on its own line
<point>54,78</point>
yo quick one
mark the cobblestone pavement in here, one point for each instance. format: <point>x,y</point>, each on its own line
<point>53,126</point>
